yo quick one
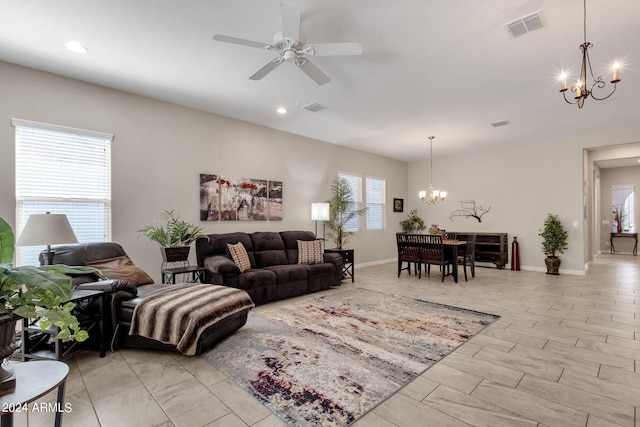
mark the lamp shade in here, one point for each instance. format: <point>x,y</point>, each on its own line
<point>320,211</point>
<point>46,229</point>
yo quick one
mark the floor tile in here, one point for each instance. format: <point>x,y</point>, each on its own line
<point>566,352</point>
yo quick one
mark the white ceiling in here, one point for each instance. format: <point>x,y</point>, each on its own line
<point>443,68</point>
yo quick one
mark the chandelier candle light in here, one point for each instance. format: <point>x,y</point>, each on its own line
<point>580,88</point>
<point>434,196</point>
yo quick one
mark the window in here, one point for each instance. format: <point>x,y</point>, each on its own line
<point>375,197</point>
<point>355,182</point>
<point>63,170</point>
<point>622,199</point>
<point>375,203</point>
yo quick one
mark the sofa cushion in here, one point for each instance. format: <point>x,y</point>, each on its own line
<point>289,273</point>
<point>216,244</point>
<point>82,253</point>
<point>268,249</point>
<point>239,255</point>
<point>290,240</point>
<point>256,278</point>
<point>121,268</point>
<point>310,252</point>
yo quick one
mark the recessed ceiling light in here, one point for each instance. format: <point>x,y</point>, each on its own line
<point>76,47</point>
<point>281,110</point>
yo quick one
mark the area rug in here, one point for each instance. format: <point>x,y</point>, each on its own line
<point>328,361</point>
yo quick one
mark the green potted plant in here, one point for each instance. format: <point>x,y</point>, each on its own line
<point>412,223</point>
<point>342,209</point>
<point>554,239</point>
<point>34,293</point>
<point>174,237</point>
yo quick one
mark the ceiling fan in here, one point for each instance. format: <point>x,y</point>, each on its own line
<point>290,47</point>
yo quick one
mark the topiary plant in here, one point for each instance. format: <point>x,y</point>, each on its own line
<point>554,236</point>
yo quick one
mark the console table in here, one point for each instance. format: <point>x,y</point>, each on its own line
<point>490,247</point>
<point>347,260</point>
<point>624,235</point>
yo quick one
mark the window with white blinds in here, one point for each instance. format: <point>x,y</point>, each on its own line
<point>374,195</point>
<point>62,170</point>
<point>355,182</point>
<point>374,192</point>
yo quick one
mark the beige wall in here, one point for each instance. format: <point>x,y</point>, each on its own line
<point>522,184</point>
<point>160,149</point>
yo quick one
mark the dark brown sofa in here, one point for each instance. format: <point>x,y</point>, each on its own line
<point>123,297</point>
<point>275,273</point>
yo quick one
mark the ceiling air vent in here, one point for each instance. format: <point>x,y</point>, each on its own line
<point>502,123</point>
<point>525,25</point>
<point>314,106</point>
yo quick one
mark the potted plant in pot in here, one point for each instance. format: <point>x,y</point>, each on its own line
<point>342,209</point>
<point>412,223</point>
<point>174,238</point>
<point>34,293</point>
<point>554,239</point>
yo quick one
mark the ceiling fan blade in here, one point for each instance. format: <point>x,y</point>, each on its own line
<point>290,21</point>
<point>314,72</point>
<point>243,42</point>
<point>335,49</point>
<point>269,67</point>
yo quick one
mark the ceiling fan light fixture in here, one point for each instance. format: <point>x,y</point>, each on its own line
<point>291,47</point>
<point>281,110</point>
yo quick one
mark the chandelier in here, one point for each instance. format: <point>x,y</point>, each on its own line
<point>580,88</point>
<point>434,196</point>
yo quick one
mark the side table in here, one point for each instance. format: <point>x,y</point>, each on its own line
<point>34,380</point>
<point>347,259</point>
<point>90,312</point>
<point>169,274</point>
<point>627,235</point>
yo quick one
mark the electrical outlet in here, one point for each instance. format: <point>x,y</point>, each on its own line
<point>605,221</point>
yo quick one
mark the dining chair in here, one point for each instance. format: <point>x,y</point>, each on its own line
<point>408,252</point>
<point>469,256</point>
<point>432,252</point>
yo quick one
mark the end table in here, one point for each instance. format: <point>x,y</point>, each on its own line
<point>169,274</point>
<point>90,312</point>
<point>347,259</point>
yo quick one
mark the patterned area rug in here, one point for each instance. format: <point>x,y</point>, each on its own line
<point>328,361</point>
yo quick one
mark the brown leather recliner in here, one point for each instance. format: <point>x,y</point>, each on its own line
<point>122,297</point>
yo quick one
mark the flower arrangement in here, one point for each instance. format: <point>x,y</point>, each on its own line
<point>619,216</point>
<point>412,223</point>
<point>434,229</point>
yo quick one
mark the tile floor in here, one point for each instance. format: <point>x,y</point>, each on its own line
<point>563,354</point>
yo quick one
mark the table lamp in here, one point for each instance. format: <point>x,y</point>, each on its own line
<point>47,229</point>
<point>319,212</point>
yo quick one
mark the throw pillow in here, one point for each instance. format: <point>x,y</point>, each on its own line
<point>121,268</point>
<point>310,252</point>
<point>240,256</point>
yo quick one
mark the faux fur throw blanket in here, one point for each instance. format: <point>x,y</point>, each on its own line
<point>177,314</point>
